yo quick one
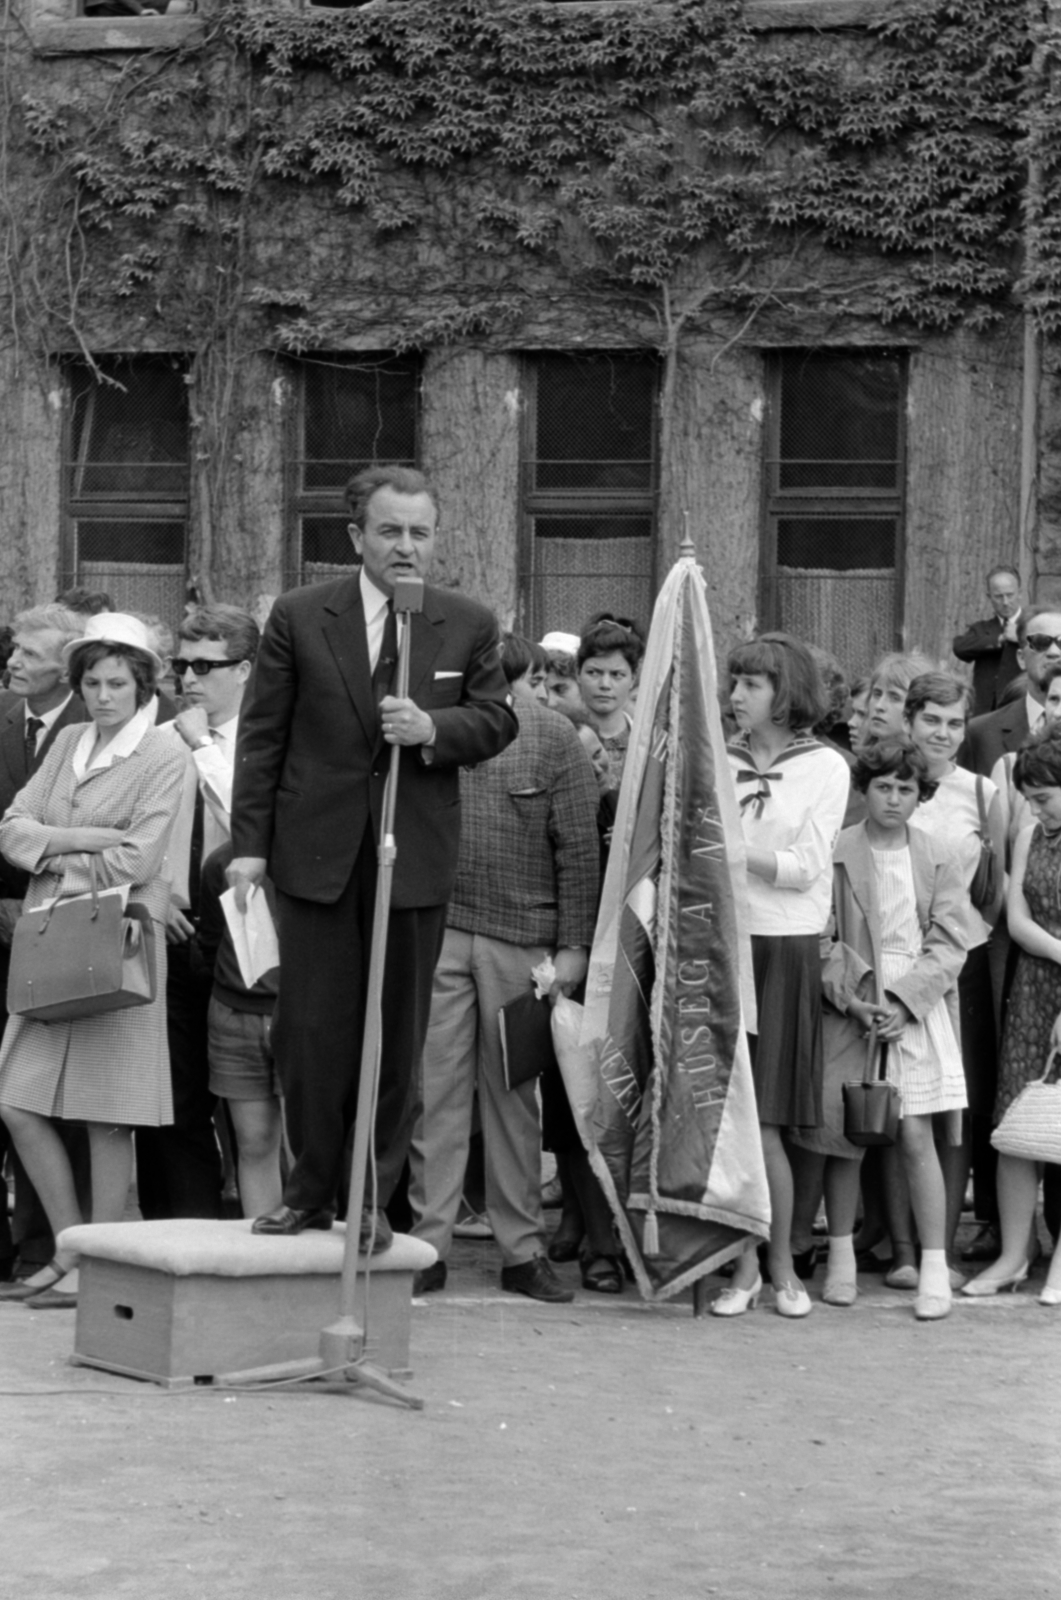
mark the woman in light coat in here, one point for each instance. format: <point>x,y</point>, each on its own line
<point>108,789</point>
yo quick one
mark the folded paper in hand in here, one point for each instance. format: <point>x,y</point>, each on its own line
<point>253,935</point>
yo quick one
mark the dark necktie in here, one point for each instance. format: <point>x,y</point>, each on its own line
<point>383,676</point>
<point>33,727</point>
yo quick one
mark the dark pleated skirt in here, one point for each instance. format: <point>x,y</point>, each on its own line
<point>787,1051</point>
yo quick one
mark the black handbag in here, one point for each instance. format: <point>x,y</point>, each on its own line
<point>872,1104</point>
<point>80,958</point>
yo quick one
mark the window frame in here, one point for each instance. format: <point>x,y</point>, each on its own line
<point>299,502</point>
<point>535,502</point>
<point>825,503</point>
<point>115,505</point>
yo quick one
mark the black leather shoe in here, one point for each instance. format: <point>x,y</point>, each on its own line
<point>431,1279</point>
<point>384,1234</point>
<point>289,1219</point>
<point>987,1245</point>
<point>537,1279</point>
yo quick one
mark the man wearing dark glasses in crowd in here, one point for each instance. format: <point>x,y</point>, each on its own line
<point>990,737</point>
<point>179,1167</point>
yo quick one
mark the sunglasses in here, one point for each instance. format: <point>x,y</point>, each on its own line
<point>201,668</point>
<point>1042,641</point>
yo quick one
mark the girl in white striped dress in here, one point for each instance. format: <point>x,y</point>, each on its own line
<point>902,931</point>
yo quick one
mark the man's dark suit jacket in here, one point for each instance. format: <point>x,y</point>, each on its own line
<point>994,663</point>
<point>310,758</point>
<point>13,771</point>
<point>988,739</point>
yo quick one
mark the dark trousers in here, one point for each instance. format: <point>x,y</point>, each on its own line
<point>320,1019</point>
<point>178,1168</point>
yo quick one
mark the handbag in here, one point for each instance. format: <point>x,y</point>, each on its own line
<point>1031,1126</point>
<point>81,957</point>
<point>983,891</point>
<point>871,1103</point>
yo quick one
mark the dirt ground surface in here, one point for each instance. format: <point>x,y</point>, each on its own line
<point>603,1450</point>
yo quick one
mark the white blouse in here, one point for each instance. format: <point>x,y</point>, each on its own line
<point>953,817</point>
<point>796,809</point>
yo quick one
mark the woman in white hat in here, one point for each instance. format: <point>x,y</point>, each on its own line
<point>110,789</point>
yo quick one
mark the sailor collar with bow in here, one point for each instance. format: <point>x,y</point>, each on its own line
<point>740,749</point>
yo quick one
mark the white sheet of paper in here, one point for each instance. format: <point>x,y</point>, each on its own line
<point>253,935</point>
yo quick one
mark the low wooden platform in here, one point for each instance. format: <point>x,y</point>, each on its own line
<point>185,1302</point>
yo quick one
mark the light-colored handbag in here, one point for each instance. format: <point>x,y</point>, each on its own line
<point>1031,1127</point>
<point>81,957</point>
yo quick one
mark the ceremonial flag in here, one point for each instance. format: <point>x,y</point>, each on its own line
<point>672,1129</point>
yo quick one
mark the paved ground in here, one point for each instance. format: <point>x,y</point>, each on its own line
<point>598,1451</point>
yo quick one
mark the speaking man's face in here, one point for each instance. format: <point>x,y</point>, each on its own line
<point>398,538</point>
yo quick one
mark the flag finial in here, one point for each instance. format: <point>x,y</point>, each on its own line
<point>687,549</point>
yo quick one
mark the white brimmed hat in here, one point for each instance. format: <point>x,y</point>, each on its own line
<point>115,627</point>
<point>568,642</point>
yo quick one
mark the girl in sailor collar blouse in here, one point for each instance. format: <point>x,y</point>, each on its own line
<point>108,788</point>
<point>792,792</point>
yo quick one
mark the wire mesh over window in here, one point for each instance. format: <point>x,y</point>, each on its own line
<point>352,414</point>
<point>832,555</point>
<point>126,483</point>
<point>589,490</point>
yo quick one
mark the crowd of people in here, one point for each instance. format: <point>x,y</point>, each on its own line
<point>902,895</point>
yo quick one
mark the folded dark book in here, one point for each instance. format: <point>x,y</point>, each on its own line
<point>526,1038</point>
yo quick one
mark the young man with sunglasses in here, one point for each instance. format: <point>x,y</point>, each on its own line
<point>179,1167</point>
<point>990,737</point>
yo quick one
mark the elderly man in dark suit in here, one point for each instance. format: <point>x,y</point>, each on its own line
<point>992,645</point>
<point>989,738</point>
<point>37,704</point>
<point>311,763</point>
<point>526,888</point>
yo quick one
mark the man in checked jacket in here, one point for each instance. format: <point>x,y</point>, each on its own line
<point>526,888</point>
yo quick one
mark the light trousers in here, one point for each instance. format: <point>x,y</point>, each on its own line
<point>475,976</point>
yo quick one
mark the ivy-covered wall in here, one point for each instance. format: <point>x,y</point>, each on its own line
<point>474,178</point>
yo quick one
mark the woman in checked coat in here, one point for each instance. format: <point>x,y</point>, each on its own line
<point>109,788</point>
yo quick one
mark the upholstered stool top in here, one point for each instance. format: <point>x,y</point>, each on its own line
<point>191,1245</point>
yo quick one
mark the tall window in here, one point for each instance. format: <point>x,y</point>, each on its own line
<point>832,561</point>
<point>125,482</point>
<point>351,413</point>
<point>589,490</point>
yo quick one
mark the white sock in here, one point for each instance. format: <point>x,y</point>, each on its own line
<point>841,1265</point>
<point>934,1276</point>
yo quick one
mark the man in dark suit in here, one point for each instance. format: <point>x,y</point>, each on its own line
<point>992,645</point>
<point>311,763</point>
<point>990,737</point>
<point>38,702</point>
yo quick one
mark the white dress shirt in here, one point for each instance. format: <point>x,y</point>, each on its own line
<point>47,719</point>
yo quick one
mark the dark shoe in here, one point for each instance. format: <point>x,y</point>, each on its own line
<point>563,1247</point>
<point>986,1246</point>
<point>805,1262</point>
<point>430,1280</point>
<point>24,1291</point>
<point>290,1220</point>
<point>51,1300</point>
<point>384,1234</point>
<point>604,1274</point>
<point>537,1279</point>
<point>870,1261</point>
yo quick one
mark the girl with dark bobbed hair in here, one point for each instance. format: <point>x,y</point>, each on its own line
<point>610,652</point>
<point>792,792</point>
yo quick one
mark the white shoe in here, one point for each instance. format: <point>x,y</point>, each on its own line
<point>840,1291</point>
<point>932,1307</point>
<point>988,1283</point>
<point>735,1302</point>
<point>1050,1296</point>
<point>792,1300</point>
